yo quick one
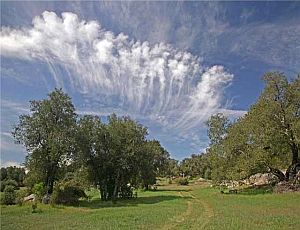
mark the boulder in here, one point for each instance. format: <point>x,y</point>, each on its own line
<point>262,179</point>
<point>31,197</point>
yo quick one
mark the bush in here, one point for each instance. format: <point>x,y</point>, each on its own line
<point>9,196</point>
<point>67,193</point>
<point>21,194</point>
<point>8,182</point>
<point>182,181</point>
<point>39,190</point>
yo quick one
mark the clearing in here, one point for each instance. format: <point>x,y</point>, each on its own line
<point>196,206</point>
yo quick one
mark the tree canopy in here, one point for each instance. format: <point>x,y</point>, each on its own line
<point>114,156</point>
<point>266,139</point>
<point>47,133</point>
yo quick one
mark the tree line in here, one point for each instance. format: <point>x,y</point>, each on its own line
<point>116,155</point>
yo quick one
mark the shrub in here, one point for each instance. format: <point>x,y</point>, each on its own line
<point>39,190</point>
<point>182,181</point>
<point>126,192</point>
<point>67,192</point>
<point>9,196</point>
<point>21,194</point>
<point>8,182</point>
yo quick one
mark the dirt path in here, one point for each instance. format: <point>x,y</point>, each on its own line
<point>180,218</point>
<point>207,214</point>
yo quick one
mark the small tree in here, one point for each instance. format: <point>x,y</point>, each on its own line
<point>9,196</point>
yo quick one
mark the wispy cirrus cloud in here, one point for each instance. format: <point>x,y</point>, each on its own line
<point>158,80</point>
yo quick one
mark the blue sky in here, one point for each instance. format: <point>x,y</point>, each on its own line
<point>169,65</point>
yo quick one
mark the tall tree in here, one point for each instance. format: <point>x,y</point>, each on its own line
<point>274,121</point>
<point>47,133</point>
<point>218,126</point>
<point>267,138</point>
<point>152,162</point>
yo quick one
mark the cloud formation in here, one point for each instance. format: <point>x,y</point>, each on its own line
<point>159,81</point>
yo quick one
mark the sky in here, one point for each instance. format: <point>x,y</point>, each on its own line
<point>168,65</point>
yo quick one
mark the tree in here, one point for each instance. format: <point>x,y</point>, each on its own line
<point>3,174</point>
<point>152,162</point>
<point>266,139</point>
<point>9,195</point>
<point>126,141</point>
<point>196,165</point>
<point>117,154</point>
<point>218,126</point>
<point>93,151</point>
<point>47,133</point>
<point>274,124</point>
<point>171,168</point>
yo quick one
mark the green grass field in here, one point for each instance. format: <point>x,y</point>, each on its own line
<point>171,207</point>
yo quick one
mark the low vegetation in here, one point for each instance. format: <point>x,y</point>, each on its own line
<point>196,206</point>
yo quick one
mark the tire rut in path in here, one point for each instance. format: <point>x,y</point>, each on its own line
<point>180,218</point>
<point>207,214</point>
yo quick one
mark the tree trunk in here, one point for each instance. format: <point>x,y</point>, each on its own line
<point>295,153</point>
<point>280,175</point>
<point>49,182</point>
<point>146,187</point>
<point>115,193</point>
<point>292,171</point>
<point>114,197</point>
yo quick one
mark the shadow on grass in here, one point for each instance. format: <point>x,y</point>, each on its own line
<point>257,190</point>
<point>174,190</point>
<point>97,203</point>
<point>253,190</point>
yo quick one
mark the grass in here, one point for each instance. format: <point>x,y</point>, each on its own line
<point>171,207</point>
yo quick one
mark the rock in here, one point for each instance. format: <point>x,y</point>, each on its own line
<point>229,184</point>
<point>285,186</point>
<point>46,199</point>
<point>262,179</point>
<point>31,197</point>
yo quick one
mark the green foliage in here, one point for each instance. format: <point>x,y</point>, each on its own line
<point>20,194</point>
<point>3,174</point>
<point>8,182</point>
<point>266,139</point>
<point>182,181</point>
<point>171,169</point>
<point>67,192</point>
<point>117,154</point>
<point>9,196</point>
<point>12,175</point>
<point>217,128</point>
<point>208,209</point>
<point>110,156</point>
<point>47,135</point>
<point>195,166</point>
<point>39,190</point>
<point>34,208</point>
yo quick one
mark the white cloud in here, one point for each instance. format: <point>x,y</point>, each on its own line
<point>232,113</point>
<point>10,163</point>
<point>158,81</point>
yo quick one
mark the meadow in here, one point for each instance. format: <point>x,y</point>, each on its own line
<point>197,206</point>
